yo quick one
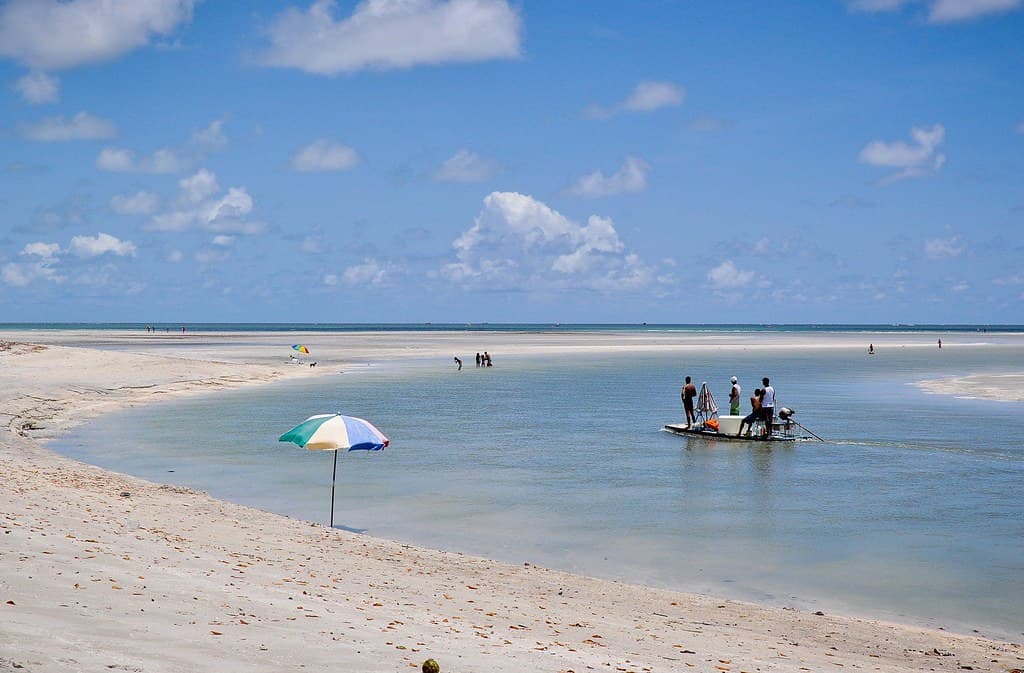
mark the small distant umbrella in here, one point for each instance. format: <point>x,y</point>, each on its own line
<point>334,432</point>
<point>300,348</point>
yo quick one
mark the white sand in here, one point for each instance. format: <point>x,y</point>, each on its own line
<point>998,387</point>
<point>100,571</point>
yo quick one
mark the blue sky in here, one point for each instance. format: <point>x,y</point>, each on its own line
<point>487,161</point>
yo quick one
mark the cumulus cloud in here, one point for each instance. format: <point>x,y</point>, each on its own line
<point>519,242</point>
<point>42,259</point>
<point>38,88</point>
<point>197,206</point>
<point>223,240</point>
<point>632,177</point>
<point>646,97</point>
<point>212,137</point>
<point>726,276</point>
<point>922,157</point>
<point>371,273</point>
<point>101,244</point>
<point>940,11</point>
<point>83,126</point>
<point>195,188</point>
<point>58,34</point>
<point>42,250</point>
<point>139,203</point>
<point>119,160</point>
<point>324,155</point>
<point>389,34</point>
<point>943,248</point>
<point>465,166</point>
<point>331,279</point>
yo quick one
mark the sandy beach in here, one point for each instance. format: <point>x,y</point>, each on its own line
<point>103,571</point>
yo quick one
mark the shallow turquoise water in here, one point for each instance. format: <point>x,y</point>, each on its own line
<point>911,511</point>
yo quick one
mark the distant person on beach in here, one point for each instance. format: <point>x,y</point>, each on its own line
<point>478,359</point>
<point>940,344</point>
<point>755,412</point>
<point>487,359</point>
<point>767,406</point>
<point>688,392</point>
<point>458,362</point>
<point>182,329</point>
<point>734,398</point>
<point>871,349</point>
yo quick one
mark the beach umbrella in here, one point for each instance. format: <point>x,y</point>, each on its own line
<point>334,432</point>
<point>300,348</point>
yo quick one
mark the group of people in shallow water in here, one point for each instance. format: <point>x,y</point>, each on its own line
<point>762,405</point>
<point>481,360</point>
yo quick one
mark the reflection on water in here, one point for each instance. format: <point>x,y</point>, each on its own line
<point>910,510</point>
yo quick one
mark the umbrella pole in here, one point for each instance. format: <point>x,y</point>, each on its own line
<point>334,476</point>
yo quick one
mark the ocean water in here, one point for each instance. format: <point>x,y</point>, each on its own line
<point>912,510</point>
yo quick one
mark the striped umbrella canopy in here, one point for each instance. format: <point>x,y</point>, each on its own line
<point>300,348</point>
<point>334,432</point>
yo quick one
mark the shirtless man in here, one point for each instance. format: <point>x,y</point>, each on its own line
<point>688,392</point>
<point>755,412</point>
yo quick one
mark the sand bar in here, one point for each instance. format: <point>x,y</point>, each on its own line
<point>102,571</point>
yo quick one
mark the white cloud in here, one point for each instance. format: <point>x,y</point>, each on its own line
<point>42,250</point>
<point>312,244</point>
<point>235,204</point>
<point>119,160</point>
<point>1015,279</point>
<point>101,244</point>
<point>707,124</point>
<point>175,256</point>
<point>83,126</point>
<point>388,34</point>
<point>632,177</point>
<point>57,34</point>
<point>212,137</point>
<point>940,11</point>
<point>139,203</point>
<point>465,166</point>
<point>960,287</point>
<point>920,158</point>
<point>726,276</point>
<point>949,11</point>
<point>942,248</point>
<point>223,240</point>
<point>876,5</point>
<point>23,274</point>
<point>646,97</point>
<point>38,87</point>
<point>325,155</point>
<point>195,206</point>
<point>331,279</point>
<point>518,241</point>
<point>115,160</point>
<point>207,256</point>
<point>200,186</point>
<point>649,96</point>
<point>369,273</point>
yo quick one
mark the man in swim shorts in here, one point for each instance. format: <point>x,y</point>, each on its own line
<point>688,392</point>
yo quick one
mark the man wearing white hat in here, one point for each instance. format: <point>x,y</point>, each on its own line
<point>734,398</point>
